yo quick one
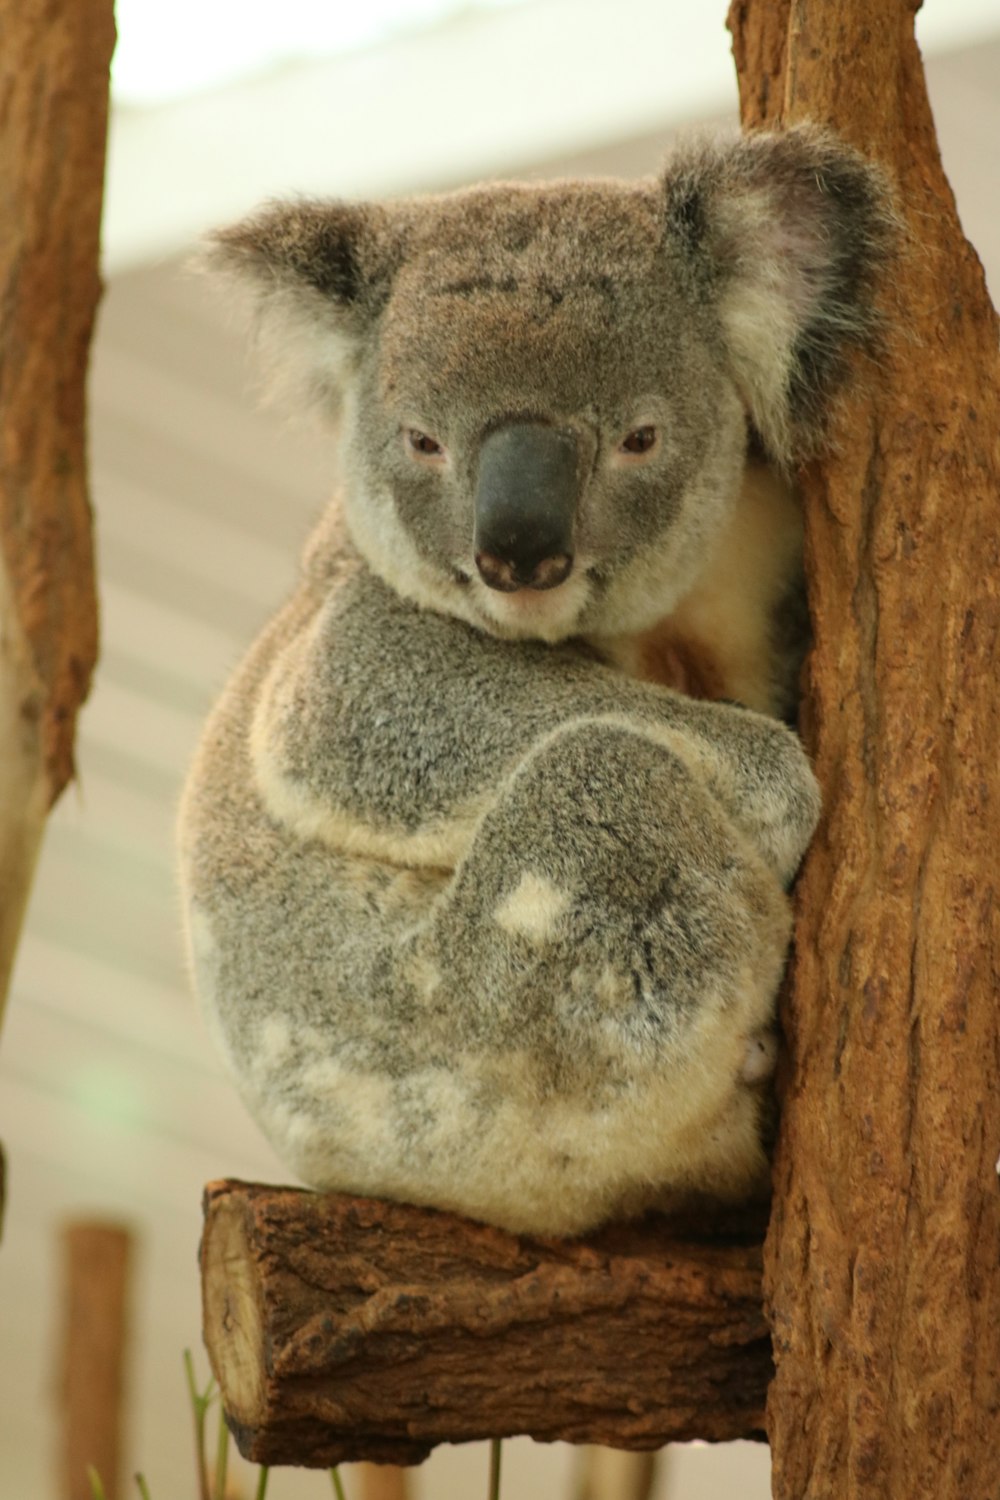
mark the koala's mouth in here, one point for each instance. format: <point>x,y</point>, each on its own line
<point>538,575</point>
<point>526,613</point>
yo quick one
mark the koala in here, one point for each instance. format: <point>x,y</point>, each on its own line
<point>485,889</point>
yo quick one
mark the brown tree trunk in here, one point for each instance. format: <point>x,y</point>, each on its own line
<point>881,1267</point>
<point>345,1328</point>
<point>54,59</point>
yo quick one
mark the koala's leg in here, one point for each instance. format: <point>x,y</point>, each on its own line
<point>555,1033</point>
<point>577,1001</point>
<point>759,774</point>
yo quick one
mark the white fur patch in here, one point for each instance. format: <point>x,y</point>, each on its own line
<point>761,324</point>
<point>446,1098</point>
<point>761,1057</point>
<point>367,1095</point>
<point>202,938</point>
<point>424,975</point>
<point>274,1042</point>
<point>203,951</point>
<point>533,909</point>
<point>547,615</point>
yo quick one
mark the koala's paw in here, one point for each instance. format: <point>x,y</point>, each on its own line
<point>762,775</point>
<point>790,801</point>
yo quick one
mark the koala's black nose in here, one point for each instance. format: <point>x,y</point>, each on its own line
<point>526,502</point>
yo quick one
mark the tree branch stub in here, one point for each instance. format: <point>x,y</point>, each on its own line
<point>344,1328</point>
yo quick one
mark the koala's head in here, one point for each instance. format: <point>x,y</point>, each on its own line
<point>545,392</point>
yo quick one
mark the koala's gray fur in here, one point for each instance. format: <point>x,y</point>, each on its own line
<point>482,919</point>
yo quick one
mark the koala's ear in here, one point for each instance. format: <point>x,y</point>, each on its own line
<point>318,272</point>
<point>786,234</point>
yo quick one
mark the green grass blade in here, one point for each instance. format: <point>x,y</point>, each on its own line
<point>140,1480</point>
<point>338,1488</point>
<point>262,1479</point>
<point>96,1487</point>
<point>199,1407</point>
<point>221,1457</point>
<point>495,1447</point>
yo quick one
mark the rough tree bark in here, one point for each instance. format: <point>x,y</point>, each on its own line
<point>54,60</point>
<point>345,1328</point>
<point>881,1268</point>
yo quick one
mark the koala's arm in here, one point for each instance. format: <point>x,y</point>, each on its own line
<point>388,732</point>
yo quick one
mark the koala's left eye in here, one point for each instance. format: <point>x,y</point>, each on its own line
<point>640,440</point>
<point>422,444</point>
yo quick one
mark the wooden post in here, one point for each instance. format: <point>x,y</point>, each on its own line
<point>609,1474</point>
<point>383,1482</point>
<point>96,1261</point>
<point>54,61</point>
<point>881,1267</point>
<point>345,1328</point>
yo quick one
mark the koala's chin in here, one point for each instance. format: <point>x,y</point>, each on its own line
<point>532,614</point>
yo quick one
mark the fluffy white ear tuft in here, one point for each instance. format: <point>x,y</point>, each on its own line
<point>785,234</point>
<point>317,272</point>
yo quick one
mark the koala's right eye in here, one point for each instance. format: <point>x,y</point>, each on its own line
<point>639,441</point>
<point>422,445</point>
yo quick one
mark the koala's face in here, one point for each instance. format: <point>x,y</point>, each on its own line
<point>541,433</point>
<point>545,391</point>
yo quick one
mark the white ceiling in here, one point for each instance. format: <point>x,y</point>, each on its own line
<point>480,94</point>
<point>154,60</point>
<point>112,1101</point>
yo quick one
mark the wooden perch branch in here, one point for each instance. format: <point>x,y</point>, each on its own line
<point>344,1328</point>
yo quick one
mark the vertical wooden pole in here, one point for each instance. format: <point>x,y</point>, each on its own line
<point>96,1260</point>
<point>612,1474</point>
<point>383,1482</point>
<point>882,1258</point>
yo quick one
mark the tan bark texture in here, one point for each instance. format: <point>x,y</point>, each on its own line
<point>881,1265</point>
<point>96,1263</point>
<point>54,60</point>
<point>344,1328</point>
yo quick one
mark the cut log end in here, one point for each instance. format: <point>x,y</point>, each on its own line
<point>232,1311</point>
<point>343,1329</point>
